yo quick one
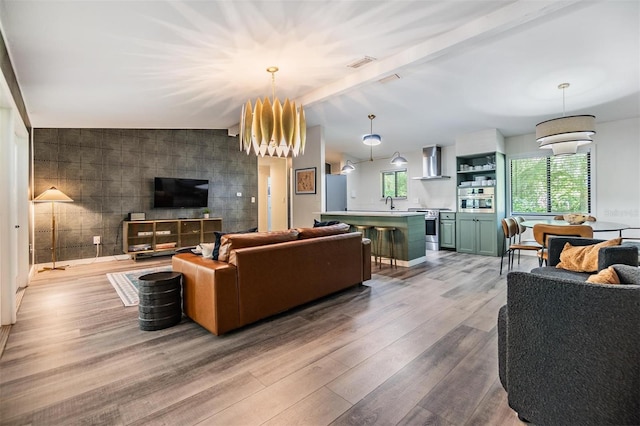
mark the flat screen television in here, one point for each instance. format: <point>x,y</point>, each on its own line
<point>180,193</point>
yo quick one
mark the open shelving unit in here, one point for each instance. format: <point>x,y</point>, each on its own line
<point>166,235</point>
<point>481,233</point>
<point>478,165</point>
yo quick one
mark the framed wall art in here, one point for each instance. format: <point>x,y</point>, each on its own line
<point>305,180</point>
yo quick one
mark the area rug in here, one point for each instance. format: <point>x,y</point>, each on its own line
<point>126,283</point>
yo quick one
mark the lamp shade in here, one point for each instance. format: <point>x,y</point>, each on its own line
<point>53,194</point>
<point>563,135</point>
<point>348,168</point>
<point>372,139</point>
<point>565,148</point>
<point>273,128</point>
<point>398,160</point>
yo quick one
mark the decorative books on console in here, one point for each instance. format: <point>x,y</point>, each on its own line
<point>139,247</point>
<point>163,246</point>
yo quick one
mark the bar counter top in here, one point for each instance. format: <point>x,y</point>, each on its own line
<point>374,213</point>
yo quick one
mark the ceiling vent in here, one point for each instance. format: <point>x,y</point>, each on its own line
<point>389,78</point>
<point>361,62</point>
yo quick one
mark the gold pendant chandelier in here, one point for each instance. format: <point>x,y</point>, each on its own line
<point>272,128</point>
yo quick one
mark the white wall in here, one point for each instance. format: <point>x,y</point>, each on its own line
<point>618,171</point>
<point>364,185</point>
<point>307,207</point>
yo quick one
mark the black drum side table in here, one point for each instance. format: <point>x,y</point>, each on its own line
<point>160,300</point>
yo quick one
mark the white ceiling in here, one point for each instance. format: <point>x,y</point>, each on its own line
<point>463,65</point>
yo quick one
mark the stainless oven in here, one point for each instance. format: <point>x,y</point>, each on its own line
<point>476,200</point>
<point>432,229</point>
<point>432,226</point>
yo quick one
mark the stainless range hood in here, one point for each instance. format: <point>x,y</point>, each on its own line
<point>432,164</point>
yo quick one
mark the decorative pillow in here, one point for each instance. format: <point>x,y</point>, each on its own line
<point>238,241</point>
<point>207,250</point>
<point>606,276</point>
<point>323,231</point>
<point>317,224</point>
<point>218,234</point>
<point>583,258</point>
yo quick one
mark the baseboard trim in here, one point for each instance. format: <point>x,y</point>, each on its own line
<point>87,261</point>
<point>4,336</point>
<point>6,329</point>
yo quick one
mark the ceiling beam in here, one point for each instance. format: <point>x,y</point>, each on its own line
<point>501,20</point>
<point>490,25</point>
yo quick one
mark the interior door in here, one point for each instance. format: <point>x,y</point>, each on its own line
<point>21,206</point>
<point>14,213</point>
<point>273,200</point>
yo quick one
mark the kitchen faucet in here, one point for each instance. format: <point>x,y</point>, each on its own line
<point>389,197</point>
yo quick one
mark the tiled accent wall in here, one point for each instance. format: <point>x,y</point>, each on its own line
<point>109,173</point>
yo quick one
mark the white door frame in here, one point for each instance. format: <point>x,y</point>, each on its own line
<point>14,212</point>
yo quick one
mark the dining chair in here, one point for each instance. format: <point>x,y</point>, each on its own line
<point>542,232</point>
<point>512,241</point>
<point>631,236</point>
<point>530,244</point>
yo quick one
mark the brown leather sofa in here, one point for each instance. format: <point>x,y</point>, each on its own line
<point>261,274</point>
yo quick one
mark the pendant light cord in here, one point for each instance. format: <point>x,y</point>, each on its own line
<point>563,86</point>
<point>273,71</point>
<point>371,117</point>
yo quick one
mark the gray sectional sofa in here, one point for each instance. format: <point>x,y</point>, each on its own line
<point>569,351</point>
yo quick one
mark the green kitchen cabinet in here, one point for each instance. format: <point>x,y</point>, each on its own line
<point>448,230</point>
<point>477,234</point>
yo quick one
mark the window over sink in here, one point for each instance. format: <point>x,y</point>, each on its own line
<point>394,183</point>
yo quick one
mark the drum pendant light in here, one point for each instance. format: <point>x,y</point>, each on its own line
<point>564,135</point>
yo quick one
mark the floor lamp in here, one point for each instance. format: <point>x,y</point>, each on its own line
<point>53,195</point>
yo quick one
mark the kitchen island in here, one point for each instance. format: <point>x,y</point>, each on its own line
<point>409,234</point>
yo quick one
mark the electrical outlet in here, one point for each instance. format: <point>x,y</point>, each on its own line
<point>96,239</point>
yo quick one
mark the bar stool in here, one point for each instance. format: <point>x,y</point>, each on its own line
<point>364,229</point>
<point>391,244</point>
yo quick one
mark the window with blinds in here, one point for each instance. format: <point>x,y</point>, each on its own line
<point>555,184</point>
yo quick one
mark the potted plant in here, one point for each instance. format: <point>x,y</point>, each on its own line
<point>205,213</point>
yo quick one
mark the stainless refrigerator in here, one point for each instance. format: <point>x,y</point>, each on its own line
<point>336,186</point>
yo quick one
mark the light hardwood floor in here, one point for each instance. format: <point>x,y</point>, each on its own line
<point>412,346</point>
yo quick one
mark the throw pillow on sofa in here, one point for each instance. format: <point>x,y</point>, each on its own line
<point>207,250</point>
<point>323,231</point>
<point>606,276</point>
<point>318,224</point>
<point>237,241</point>
<point>583,258</point>
<point>218,234</point>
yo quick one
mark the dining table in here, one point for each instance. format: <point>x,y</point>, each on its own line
<point>597,226</point>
